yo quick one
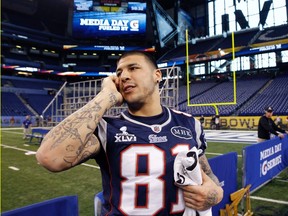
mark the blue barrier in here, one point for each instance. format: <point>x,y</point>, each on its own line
<point>38,133</point>
<point>61,206</point>
<point>263,161</point>
<point>225,168</point>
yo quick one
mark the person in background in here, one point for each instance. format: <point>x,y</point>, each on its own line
<point>212,123</point>
<point>278,121</point>
<point>217,122</point>
<point>202,120</point>
<point>26,126</point>
<point>267,127</point>
<point>12,121</point>
<point>135,149</point>
<point>37,121</point>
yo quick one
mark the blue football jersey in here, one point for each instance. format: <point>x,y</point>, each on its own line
<point>136,160</point>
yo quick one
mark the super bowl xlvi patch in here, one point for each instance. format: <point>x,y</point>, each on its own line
<point>181,132</point>
<point>124,136</point>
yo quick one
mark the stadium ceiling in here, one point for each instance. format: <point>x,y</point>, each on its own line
<point>168,4</point>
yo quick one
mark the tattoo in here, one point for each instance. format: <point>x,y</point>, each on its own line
<point>112,98</point>
<point>85,119</point>
<point>205,165</point>
<point>211,199</point>
<point>207,169</point>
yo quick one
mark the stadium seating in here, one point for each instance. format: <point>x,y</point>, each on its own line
<point>12,106</point>
<point>246,87</point>
<point>253,94</point>
<point>274,94</point>
<point>38,102</point>
<point>18,94</point>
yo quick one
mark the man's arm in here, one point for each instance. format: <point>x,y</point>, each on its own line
<point>276,128</point>
<point>210,193</point>
<point>72,140</point>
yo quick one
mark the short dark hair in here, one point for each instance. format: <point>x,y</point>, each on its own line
<point>147,55</point>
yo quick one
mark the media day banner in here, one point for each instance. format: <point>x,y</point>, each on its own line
<point>93,24</point>
<point>225,168</point>
<point>263,161</point>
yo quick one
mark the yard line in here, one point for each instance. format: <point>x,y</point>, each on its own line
<point>210,153</point>
<point>8,129</point>
<point>18,128</point>
<point>269,200</point>
<point>280,180</point>
<point>16,148</point>
<point>89,165</point>
<point>12,132</point>
<point>14,168</point>
<point>28,152</point>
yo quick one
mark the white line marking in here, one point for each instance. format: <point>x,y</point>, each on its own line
<point>12,132</point>
<point>16,148</point>
<point>210,153</point>
<point>89,165</point>
<point>280,180</point>
<point>14,168</point>
<point>28,152</point>
<point>269,200</point>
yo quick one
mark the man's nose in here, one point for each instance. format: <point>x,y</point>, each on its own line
<point>125,75</point>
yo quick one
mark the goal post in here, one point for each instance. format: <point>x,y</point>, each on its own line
<point>214,104</point>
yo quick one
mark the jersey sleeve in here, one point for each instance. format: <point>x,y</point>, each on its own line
<point>200,137</point>
<point>101,132</point>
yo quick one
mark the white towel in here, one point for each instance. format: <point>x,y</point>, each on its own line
<point>187,172</point>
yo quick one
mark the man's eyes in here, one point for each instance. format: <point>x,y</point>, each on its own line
<point>118,73</point>
<point>133,68</point>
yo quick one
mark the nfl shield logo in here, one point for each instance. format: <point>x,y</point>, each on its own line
<point>156,128</point>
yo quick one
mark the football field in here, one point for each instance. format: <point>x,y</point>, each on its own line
<point>24,181</point>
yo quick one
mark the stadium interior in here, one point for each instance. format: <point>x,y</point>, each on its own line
<point>38,57</point>
<point>217,57</point>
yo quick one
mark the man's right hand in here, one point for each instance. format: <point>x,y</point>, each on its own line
<point>110,84</point>
<point>281,136</point>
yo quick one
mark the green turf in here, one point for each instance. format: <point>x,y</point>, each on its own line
<point>32,183</point>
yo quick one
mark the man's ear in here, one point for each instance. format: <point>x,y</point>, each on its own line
<point>158,75</point>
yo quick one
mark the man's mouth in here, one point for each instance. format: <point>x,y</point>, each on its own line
<point>128,88</point>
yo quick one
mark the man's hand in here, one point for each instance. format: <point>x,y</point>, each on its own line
<point>110,84</point>
<point>281,136</point>
<point>202,197</point>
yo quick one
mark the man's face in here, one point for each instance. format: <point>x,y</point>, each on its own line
<point>269,114</point>
<point>137,79</point>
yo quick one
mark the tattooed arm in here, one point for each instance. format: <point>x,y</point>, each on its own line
<point>210,193</point>
<point>72,140</point>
